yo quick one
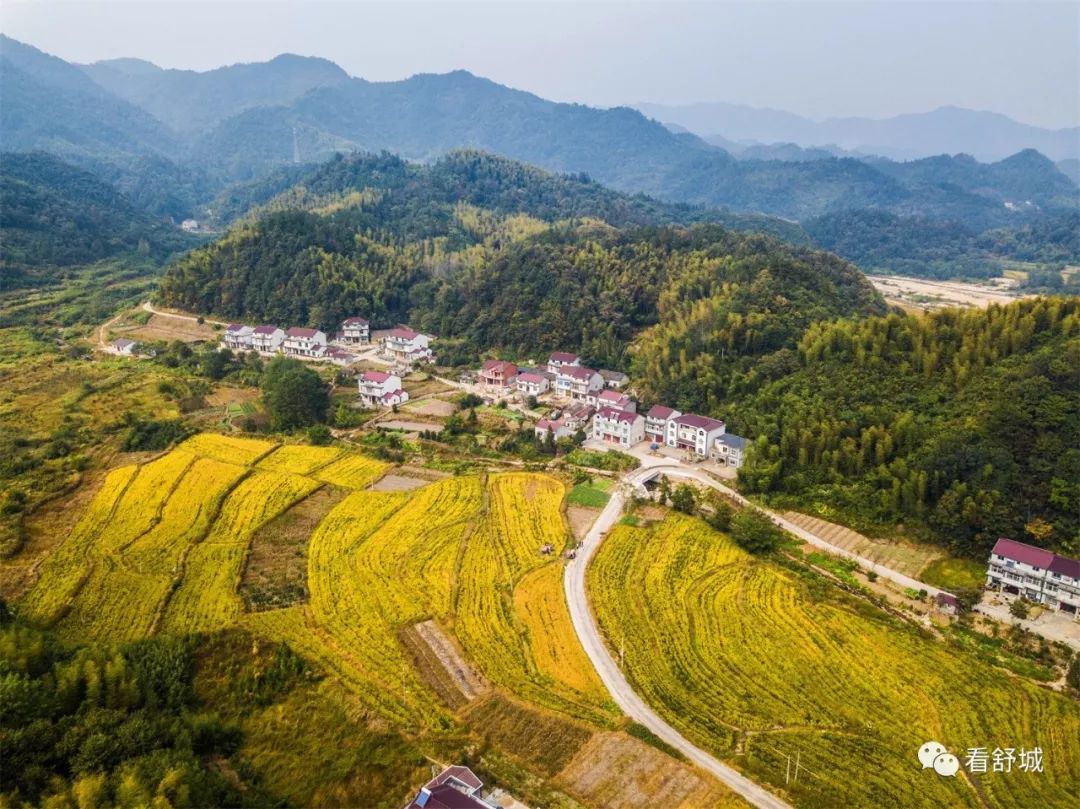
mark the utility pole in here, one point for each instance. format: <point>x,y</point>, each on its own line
<point>798,754</point>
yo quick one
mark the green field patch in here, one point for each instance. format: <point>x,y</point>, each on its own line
<point>954,574</point>
<point>590,495</point>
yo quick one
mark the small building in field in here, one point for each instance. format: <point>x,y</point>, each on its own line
<point>731,449</point>
<point>577,383</point>
<point>238,337</point>
<point>1036,574</point>
<point>355,330</point>
<point>301,342</point>
<point>612,398</point>
<point>339,356</point>
<point>124,347</point>
<point>656,423</point>
<point>693,433</point>
<point>530,383</point>
<point>380,389</point>
<point>267,339</point>
<point>623,428</point>
<point>562,359</point>
<point>498,374</point>
<point>616,380</point>
<point>454,788</point>
<point>406,346</point>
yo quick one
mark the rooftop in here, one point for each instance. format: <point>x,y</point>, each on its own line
<point>354,321</point>
<point>1022,552</point>
<point>701,422</point>
<point>403,333</point>
<point>614,414</point>
<point>662,412</point>
<point>733,441</point>
<point>577,372</point>
<point>563,357</point>
<point>300,331</point>
<point>499,365</point>
<point>1066,567</point>
<point>266,329</point>
<point>530,376</point>
<point>375,376</point>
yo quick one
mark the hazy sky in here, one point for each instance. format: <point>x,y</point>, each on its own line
<point>816,59</point>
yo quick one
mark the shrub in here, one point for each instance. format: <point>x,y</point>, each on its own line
<point>319,435</point>
<point>754,532</point>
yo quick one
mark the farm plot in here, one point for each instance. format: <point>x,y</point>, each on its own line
<point>299,460</point>
<point>902,556</point>
<point>738,655</point>
<point>228,448</point>
<point>353,471</point>
<point>523,647</point>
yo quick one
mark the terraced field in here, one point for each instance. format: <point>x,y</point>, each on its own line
<point>904,557</point>
<point>737,655</point>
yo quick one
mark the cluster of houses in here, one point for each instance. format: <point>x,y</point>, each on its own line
<point>597,406</point>
<point>1035,574</point>
<point>404,346</point>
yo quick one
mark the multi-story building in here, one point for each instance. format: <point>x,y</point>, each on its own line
<point>498,374</point>
<point>1036,574</point>
<point>531,383</point>
<point>577,383</point>
<point>656,423</point>
<point>407,346</point>
<point>301,342</point>
<point>561,359</point>
<point>355,330</point>
<point>692,433</point>
<point>621,427</point>
<point>238,337</point>
<point>380,389</point>
<point>616,380</point>
<point>267,339</point>
<point>612,398</point>
<point>455,787</point>
<point>731,449</point>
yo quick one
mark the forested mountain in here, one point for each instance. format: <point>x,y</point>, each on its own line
<point>190,102</point>
<point>491,255</point>
<point>966,423</point>
<point>53,214</point>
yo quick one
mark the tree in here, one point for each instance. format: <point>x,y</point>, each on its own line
<point>720,516</point>
<point>1019,609</point>
<point>319,435</point>
<point>684,499</point>
<point>294,395</point>
<point>754,532</point>
<point>532,403</point>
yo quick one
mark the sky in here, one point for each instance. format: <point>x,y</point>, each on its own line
<point>816,59</point>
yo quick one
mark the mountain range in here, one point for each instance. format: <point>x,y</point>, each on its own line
<point>173,140</point>
<point>987,136</point>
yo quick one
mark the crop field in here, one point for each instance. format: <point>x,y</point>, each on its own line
<point>299,460</point>
<point>737,655</point>
<point>227,448</point>
<point>352,471</point>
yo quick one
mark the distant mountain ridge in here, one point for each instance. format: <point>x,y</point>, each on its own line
<point>989,136</point>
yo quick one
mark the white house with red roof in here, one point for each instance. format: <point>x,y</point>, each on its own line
<point>455,787</point>
<point>1036,574</point>
<point>303,342</point>
<point>238,337</point>
<point>623,428</point>
<point>498,374</point>
<point>561,359</point>
<point>693,433</point>
<point>355,330</point>
<point>531,383</point>
<point>577,383</point>
<point>267,339</point>
<point>612,398</point>
<point>656,422</point>
<point>380,389</point>
<point>407,346</point>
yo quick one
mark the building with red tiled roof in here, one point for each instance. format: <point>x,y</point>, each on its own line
<point>656,422</point>
<point>407,346</point>
<point>498,374</point>
<point>267,339</point>
<point>303,342</point>
<point>454,788</point>
<point>380,389</point>
<point>531,383</point>
<point>1036,574</point>
<point>694,434</point>
<point>355,330</point>
<point>578,383</point>
<point>623,428</point>
<point>560,359</point>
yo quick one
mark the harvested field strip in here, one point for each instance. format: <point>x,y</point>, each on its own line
<point>739,655</point>
<point>207,597</point>
<point>352,471</point>
<point>228,448</point>
<point>901,556</point>
<point>298,459</point>
<point>441,666</point>
<point>547,740</point>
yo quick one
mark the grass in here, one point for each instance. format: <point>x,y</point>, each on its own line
<point>591,495</point>
<point>744,660</point>
<point>954,574</point>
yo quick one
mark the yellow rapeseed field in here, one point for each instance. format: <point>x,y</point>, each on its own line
<point>352,471</point>
<point>298,459</point>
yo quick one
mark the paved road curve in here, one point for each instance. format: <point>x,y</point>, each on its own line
<point>588,633</point>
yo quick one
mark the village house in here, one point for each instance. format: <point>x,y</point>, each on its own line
<point>566,423</point>
<point>407,346</point>
<point>531,383</point>
<point>612,398</point>
<point>124,347</point>
<point>557,427</point>
<point>267,339</point>
<point>380,389</point>
<point>238,337</point>
<point>616,380</point>
<point>301,342</point>
<point>577,383</point>
<point>578,415</point>
<point>694,433</point>
<point>1035,574</point>
<point>498,374</point>
<point>731,449</point>
<point>624,428</point>
<point>455,787</point>
<point>355,330</point>
<point>561,359</point>
<point>656,423</point>
<point>339,356</point>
